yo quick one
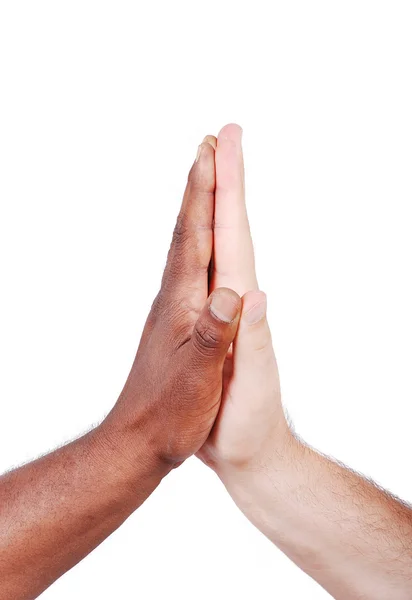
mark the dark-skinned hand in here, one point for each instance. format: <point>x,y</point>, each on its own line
<point>174,390</point>
<point>56,509</point>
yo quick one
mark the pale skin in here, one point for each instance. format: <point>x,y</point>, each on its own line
<point>351,537</point>
<point>218,401</point>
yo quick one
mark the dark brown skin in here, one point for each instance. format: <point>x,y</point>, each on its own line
<point>178,367</point>
<point>57,509</point>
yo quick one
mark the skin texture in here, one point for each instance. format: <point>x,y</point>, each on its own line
<point>350,536</point>
<point>55,510</point>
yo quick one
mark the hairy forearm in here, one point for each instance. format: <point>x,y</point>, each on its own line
<point>350,536</point>
<point>55,510</point>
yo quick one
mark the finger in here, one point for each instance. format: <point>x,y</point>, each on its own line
<point>233,257</point>
<point>185,278</point>
<point>215,330</point>
<point>254,361</point>
<point>212,140</point>
<point>191,249</point>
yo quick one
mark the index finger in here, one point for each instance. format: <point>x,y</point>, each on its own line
<point>190,252</point>
<point>234,263</point>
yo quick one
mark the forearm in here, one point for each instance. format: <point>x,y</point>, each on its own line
<point>57,509</point>
<point>350,536</point>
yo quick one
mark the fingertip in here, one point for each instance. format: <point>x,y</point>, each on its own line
<point>210,139</point>
<point>254,307</point>
<point>203,171</point>
<point>232,132</point>
<point>225,305</point>
<point>206,149</point>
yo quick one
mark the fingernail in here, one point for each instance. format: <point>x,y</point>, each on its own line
<point>257,312</point>
<point>224,306</point>
<point>211,140</point>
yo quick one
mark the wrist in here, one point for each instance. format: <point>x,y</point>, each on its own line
<point>129,454</point>
<point>275,451</point>
<point>278,464</point>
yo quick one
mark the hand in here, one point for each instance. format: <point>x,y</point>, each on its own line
<point>349,535</point>
<point>251,420</point>
<point>173,393</point>
<point>56,509</point>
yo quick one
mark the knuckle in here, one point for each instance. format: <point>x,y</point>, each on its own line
<point>181,231</point>
<point>263,344</point>
<point>189,251</point>
<point>207,338</point>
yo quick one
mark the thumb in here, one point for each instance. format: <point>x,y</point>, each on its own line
<point>255,384</point>
<point>216,328</point>
<point>254,358</point>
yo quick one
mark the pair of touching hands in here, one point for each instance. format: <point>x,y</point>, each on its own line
<point>205,380</point>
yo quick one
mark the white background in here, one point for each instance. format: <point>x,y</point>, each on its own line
<point>102,106</point>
